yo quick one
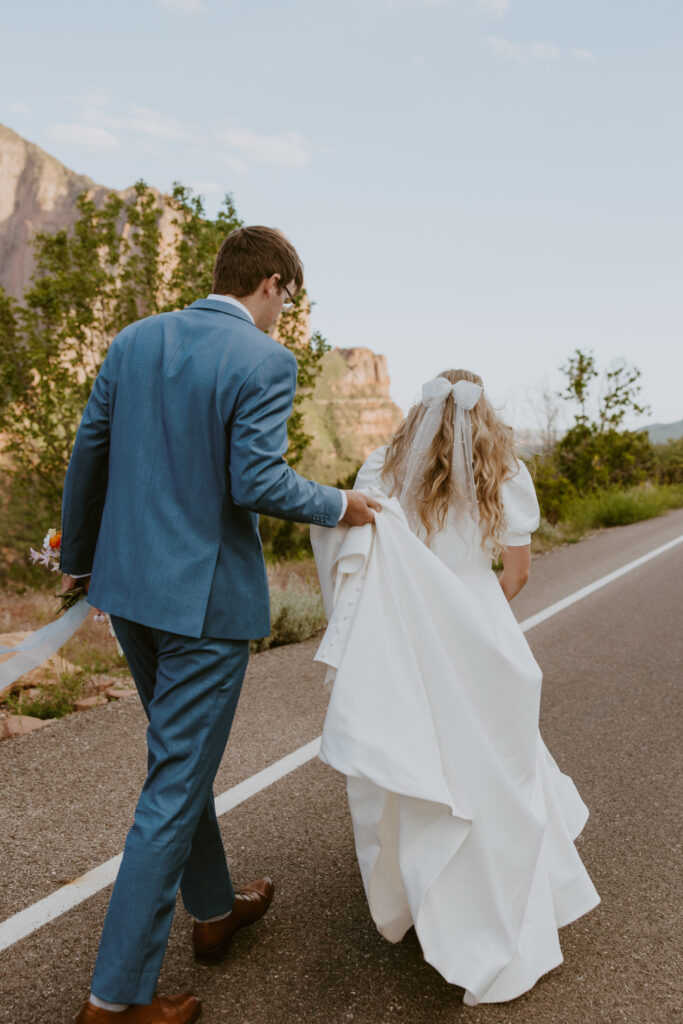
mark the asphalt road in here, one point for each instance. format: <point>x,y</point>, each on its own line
<point>611,663</point>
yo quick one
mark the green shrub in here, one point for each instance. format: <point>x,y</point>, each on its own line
<point>615,507</point>
<point>296,612</point>
<point>54,701</point>
<point>283,540</point>
<point>548,534</point>
<point>669,462</point>
<point>552,488</point>
<point>590,458</point>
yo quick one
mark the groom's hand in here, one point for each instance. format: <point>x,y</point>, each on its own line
<point>69,582</point>
<point>360,509</point>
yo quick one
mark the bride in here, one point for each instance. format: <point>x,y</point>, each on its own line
<point>464,825</point>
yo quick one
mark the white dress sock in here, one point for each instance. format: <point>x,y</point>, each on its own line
<point>104,1005</point>
<point>208,920</point>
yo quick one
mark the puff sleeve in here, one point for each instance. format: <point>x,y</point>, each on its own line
<point>370,473</point>
<point>522,514</point>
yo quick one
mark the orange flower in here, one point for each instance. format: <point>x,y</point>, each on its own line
<point>56,540</point>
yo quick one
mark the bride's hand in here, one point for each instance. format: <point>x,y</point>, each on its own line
<point>360,509</point>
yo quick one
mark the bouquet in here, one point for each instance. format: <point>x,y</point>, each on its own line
<point>50,557</point>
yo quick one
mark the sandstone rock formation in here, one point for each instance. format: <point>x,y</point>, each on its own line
<point>349,414</point>
<point>38,193</point>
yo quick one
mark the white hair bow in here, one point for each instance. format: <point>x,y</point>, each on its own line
<point>466,394</point>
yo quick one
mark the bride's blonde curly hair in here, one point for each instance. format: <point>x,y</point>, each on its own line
<point>493,457</point>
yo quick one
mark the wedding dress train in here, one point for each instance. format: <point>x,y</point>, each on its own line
<point>463,823</point>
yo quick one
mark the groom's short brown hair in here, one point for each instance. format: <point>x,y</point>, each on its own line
<point>248,255</point>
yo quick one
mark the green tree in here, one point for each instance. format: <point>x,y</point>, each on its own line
<point>620,396</point>
<point>111,268</point>
<point>198,241</point>
<point>579,371</point>
<point>598,452</point>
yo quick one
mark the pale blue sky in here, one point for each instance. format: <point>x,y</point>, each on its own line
<point>478,183</point>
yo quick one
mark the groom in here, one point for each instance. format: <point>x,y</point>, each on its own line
<point>180,447</point>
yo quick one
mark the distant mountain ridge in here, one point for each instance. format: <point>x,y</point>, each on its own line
<point>660,433</point>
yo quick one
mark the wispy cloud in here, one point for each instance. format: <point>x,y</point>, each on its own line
<point>17,108</point>
<point>94,125</point>
<point>92,136</point>
<point>145,121</point>
<point>586,55</point>
<point>522,52</point>
<point>418,59</point>
<point>183,6</point>
<point>281,150</point>
<point>496,8</point>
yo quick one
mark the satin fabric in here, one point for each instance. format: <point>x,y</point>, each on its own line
<point>463,823</point>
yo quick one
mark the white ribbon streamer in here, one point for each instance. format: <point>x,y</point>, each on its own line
<point>41,645</point>
<point>466,394</point>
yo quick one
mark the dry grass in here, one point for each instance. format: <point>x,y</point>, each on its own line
<point>297,613</point>
<point>92,648</point>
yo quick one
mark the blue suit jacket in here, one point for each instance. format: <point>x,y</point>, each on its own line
<point>180,446</point>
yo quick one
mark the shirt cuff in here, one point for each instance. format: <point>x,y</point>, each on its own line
<point>345,502</point>
<point>78,575</point>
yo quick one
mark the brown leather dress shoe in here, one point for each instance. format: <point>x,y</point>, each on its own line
<point>182,1009</point>
<point>211,939</point>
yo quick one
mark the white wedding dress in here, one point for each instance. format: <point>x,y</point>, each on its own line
<point>463,823</point>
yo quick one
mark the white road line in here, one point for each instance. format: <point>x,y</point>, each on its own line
<point>57,903</point>
<point>579,595</point>
<point>250,787</point>
<point>81,889</point>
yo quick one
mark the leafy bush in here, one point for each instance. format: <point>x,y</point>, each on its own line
<point>54,701</point>
<point>591,458</point>
<point>284,540</point>
<point>617,507</point>
<point>669,462</point>
<point>296,612</point>
<point>552,488</point>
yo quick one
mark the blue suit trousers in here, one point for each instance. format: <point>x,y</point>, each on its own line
<point>189,688</point>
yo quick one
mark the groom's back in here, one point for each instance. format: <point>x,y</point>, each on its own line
<point>173,383</point>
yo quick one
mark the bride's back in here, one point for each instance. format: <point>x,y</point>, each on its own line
<point>459,542</point>
<point>453,467</point>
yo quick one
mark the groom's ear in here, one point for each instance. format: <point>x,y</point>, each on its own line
<point>270,284</point>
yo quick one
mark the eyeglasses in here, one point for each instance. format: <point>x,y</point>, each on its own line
<point>288,305</point>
